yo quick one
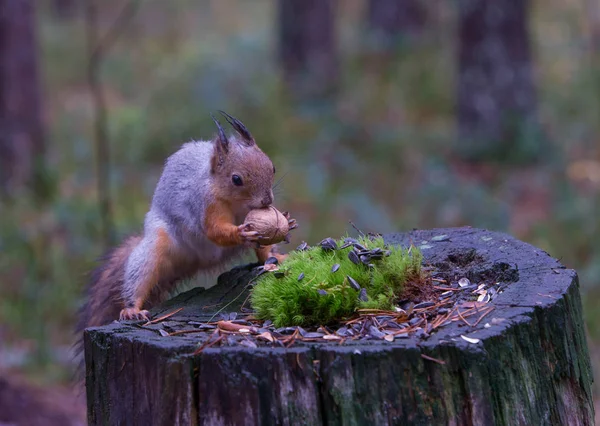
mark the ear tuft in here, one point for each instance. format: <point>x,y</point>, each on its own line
<point>240,128</point>
<point>221,147</point>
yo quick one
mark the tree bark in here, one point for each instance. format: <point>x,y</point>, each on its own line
<point>496,92</point>
<point>307,46</point>
<point>21,127</point>
<point>530,366</point>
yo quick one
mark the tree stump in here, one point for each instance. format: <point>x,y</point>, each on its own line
<point>526,362</point>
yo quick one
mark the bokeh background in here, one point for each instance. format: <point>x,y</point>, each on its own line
<point>393,114</point>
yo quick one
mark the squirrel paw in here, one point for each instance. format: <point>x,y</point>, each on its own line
<point>247,235</point>
<point>133,314</point>
<point>291,222</point>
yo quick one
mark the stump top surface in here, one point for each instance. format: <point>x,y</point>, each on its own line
<point>530,279</point>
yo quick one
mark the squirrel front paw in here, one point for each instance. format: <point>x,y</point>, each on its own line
<point>133,314</point>
<point>291,222</point>
<point>247,235</point>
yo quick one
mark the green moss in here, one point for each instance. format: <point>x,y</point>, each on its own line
<point>323,296</point>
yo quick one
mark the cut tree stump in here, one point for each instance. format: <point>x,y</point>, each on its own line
<point>527,361</point>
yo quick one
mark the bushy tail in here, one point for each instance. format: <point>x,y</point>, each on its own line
<point>104,299</point>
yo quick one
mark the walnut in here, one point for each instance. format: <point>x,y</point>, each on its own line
<point>272,226</point>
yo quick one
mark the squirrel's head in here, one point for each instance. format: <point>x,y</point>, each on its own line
<point>242,172</point>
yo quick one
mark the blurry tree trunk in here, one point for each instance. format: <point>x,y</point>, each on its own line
<point>307,47</point>
<point>392,21</point>
<point>593,12</point>
<point>496,93</point>
<point>21,128</point>
<point>64,9</point>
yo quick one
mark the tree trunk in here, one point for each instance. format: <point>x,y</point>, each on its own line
<point>21,129</point>
<point>307,46</point>
<point>496,93</point>
<point>528,362</point>
<point>393,21</point>
<point>64,9</point>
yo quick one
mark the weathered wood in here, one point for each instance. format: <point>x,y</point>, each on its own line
<point>530,367</point>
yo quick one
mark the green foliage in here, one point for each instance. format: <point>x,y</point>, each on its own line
<point>323,296</point>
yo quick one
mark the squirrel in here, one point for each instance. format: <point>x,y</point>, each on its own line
<point>203,195</point>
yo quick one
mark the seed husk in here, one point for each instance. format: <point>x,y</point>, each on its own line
<point>353,283</point>
<point>353,257</point>
<point>328,244</point>
<point>303,246</point>
<point>362,296</point>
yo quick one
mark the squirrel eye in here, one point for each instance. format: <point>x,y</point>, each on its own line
<point>237,181</point>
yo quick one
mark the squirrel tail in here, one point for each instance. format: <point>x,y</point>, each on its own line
<point>104,298</point>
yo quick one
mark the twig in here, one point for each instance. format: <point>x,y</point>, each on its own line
<point>361,233</point>
<point>481,317</point>
<point>463,318</point>
<point>164,317</point>
<point>209,343</point>
<point>438,361</point>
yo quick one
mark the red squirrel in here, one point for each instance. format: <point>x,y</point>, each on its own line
<point>195,223</point>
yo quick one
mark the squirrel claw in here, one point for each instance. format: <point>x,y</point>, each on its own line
<point>247,235</point>
<point>133,314</point>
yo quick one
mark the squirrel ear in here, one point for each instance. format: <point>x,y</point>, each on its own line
<point>221,145</point>
<point>240,128</point>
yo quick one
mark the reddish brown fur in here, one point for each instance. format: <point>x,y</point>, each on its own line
<point>219,225</point>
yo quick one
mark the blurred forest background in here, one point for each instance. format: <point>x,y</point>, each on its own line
<point>393,114</point>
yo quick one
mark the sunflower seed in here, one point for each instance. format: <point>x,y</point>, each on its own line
<point>328,244</point>
<point>464,282</point>
<point>353,257</point>
<point>362,296</point>
<point>366,259</point>
<point>322,292</point>
<point>248,344</point>
<point>353,283</point>
<point>342,331</point>
<point>335,267</point>
<point>415,321</point>
<point>424,305</point>
<point>271,261</point>
<point>303,246</point>
<point>313,335</point>
<point>348,242</point>
<point>301,276</point>
<point>374,331</point>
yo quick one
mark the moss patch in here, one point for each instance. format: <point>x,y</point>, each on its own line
<point>305,290</point>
